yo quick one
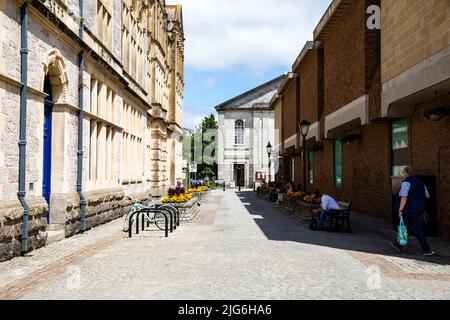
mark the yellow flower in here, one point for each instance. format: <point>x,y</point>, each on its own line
<point>182,198</point>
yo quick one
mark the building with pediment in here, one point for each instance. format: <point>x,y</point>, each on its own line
<point>246,126</point>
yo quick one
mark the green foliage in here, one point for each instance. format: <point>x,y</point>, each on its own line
<point>201,147</point>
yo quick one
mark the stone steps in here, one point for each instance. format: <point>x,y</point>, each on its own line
<point>55,236</point>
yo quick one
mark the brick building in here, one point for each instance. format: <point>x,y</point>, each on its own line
<point>364,92</point>
<point>93,90</point>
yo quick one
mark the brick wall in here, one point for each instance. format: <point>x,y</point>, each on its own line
<point>344,60</point>
<point>412,31</point>
<point>366,167</point>
<point>432,139</point>
<point>309,88</point>
<point>289,110</point>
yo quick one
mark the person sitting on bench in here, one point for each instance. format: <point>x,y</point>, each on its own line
<point>329,206</point>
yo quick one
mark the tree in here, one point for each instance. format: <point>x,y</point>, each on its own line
<point>200,147</point>
<point>203,147</point>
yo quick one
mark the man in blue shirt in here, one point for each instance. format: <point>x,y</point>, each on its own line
<point>329,206</point>
<point>413,196</point>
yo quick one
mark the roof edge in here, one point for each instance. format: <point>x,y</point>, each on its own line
<point>222,106</point>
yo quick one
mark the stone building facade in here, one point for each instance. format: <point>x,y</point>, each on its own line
<point>364,89</point>
<point>246,126</point>
<point>99,84</point>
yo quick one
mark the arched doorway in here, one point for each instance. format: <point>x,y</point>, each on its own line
<point>47,143</point>
<point>54,82</point>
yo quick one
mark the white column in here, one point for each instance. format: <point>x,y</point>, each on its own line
<point>101,153</point>
<point>93,153</point>
<point>102,100</point>
<point>94,96</point>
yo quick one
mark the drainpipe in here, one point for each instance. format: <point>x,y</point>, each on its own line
<point>80,127</point>
<point>23,125</point>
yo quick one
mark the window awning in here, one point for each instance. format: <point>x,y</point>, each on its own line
<point>420,83</point>
<point>354,114</point>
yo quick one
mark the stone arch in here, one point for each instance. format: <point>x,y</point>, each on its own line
<point>55,67</point>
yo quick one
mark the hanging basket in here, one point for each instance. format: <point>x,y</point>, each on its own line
<point>437,113</point>
<point>351,138</point>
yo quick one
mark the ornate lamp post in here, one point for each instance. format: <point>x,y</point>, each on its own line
<point>304,130</point>
<point>269,153</point>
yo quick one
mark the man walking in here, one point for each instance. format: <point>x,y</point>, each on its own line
<point>413,196</point>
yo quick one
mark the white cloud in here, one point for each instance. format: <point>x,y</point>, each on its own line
<point>256,34</point>
<point>193,117</point>
<point>210,82</point>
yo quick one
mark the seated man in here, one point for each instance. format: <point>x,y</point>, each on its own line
<point>329,206</point>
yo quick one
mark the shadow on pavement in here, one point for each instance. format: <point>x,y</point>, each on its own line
<point>369,235</point>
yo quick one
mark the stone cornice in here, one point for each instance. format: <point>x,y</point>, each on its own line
<point>330,17</point>
<point>19,84</point>
<point>69,107</point>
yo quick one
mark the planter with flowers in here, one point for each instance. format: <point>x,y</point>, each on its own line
<point>304,203</point>
<point>186,203</point>
<point>197,192</point>
<point>264,191</point>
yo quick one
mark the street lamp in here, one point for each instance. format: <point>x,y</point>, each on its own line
<point>304,130</point>
<point>269,153</point>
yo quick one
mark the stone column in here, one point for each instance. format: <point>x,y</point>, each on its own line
<point>109,154</point>
<point>94,96</point>
<point>102,100</point>
<point>93,153</point>
<point>109,103</point>
<point>101,153</point>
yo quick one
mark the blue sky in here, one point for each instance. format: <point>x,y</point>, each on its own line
<point>234,45</point>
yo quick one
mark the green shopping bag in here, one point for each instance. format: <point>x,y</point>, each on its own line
<point>402,234</point>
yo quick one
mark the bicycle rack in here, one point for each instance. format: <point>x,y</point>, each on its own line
<point>142,211</point>
<point>175,211</point>
<point>173,216</point>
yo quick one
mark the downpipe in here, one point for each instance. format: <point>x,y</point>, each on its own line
<point>80,147</point>
<point>80,151</point>
<point>23,126</point>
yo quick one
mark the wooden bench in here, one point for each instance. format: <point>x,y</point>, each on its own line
<point>341,222</point>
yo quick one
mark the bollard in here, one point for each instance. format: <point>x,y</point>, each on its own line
<point>224,186</point>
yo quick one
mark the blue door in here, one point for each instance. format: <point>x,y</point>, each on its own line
<point>47,167</point>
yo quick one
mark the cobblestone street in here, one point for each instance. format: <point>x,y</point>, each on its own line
<point>239,247</point>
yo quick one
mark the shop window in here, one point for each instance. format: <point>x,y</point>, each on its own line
<point>338,163</point>
<point>399,145</point>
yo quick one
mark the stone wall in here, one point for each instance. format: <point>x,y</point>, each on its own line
<point>102,206</point>
<point>11,213</point>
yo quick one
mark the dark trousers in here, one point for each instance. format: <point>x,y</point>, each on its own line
<point>412,222</point>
